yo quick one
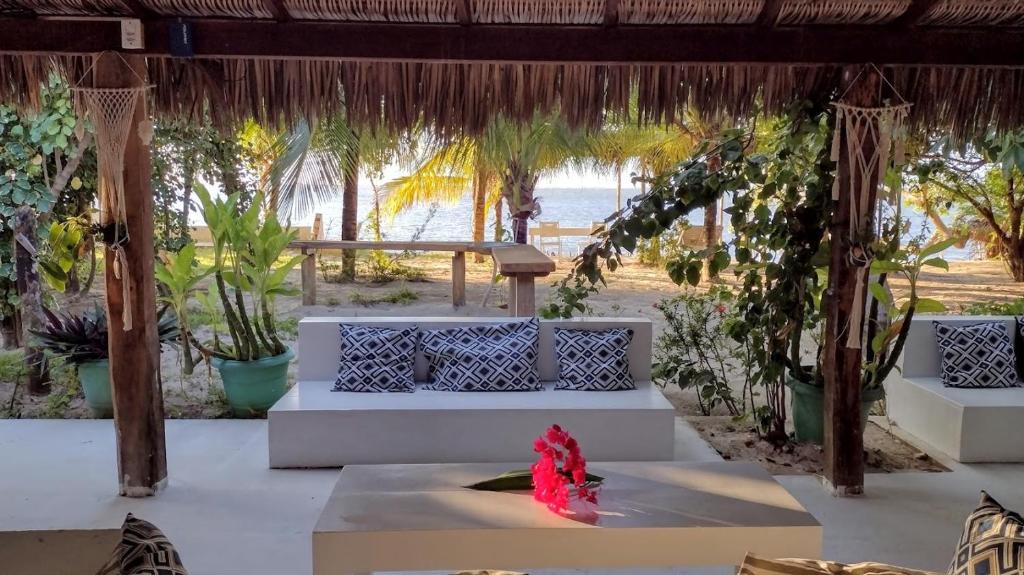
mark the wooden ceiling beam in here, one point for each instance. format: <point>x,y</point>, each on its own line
<point>769,13</point>
<point>277,10</point>
<point>914,13</point>
<point>931,46</point>
<point>611,13</point>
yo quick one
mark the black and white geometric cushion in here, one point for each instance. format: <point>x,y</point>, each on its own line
<point>590,360</point>
<point>498,357</point>
<point>376,359</point>
<point>992,542</point>
<point>976,356</point>
<point>143,550</point>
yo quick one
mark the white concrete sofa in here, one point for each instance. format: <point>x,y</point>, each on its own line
<point>312,426</point>
<point>969,425</point>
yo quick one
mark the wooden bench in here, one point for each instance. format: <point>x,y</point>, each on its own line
<point>312,426</point>
<point>521,264</point>
<point>969,425</point>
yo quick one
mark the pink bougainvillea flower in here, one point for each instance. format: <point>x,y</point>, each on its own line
<point>553,484</point>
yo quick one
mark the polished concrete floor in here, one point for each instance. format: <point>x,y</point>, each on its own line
<point>231,515</point>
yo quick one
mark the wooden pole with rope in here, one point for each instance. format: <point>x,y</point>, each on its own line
<point>133,342</point>
<point>842,364</point>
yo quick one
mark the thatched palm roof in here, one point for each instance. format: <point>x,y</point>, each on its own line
<point>465,95</point>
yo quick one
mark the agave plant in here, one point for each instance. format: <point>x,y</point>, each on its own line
<point>81,338</point>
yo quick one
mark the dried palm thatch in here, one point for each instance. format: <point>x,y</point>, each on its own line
<point>689,11</point>
<point>841,11</point>
<point>466,97</point>
<point>436,11</point>
<point>976,13</point>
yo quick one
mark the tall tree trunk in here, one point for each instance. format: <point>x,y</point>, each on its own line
<point>518,187</point>
<point>710,224</point>
<point>188,186</point>
<point>30,293</point>
<point>480,178</point>
<point>9,331</point>
<point>350,218</point>
<point>618,187</point>
<point>499,221</point>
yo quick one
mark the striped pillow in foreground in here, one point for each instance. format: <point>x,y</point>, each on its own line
<point>754,565</point>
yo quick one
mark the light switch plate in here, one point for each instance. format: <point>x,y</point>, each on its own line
<point>131,35</point>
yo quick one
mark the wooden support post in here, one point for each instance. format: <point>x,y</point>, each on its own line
<point>308,270</point>
<point>135,354</point>
<point>524,296</point>
<point>459,279</point>
<point>843,440</point>
<point>30,292</point>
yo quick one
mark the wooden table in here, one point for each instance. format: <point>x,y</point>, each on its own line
<point>663,514</point>
<point>520,263</point>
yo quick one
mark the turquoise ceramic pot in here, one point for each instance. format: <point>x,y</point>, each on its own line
<point>94,376</point>
<point>808,405</point>
<point>252,387</point>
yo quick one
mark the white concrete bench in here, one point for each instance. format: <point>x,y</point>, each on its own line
<point>312,426</point>
<point>969,425</point>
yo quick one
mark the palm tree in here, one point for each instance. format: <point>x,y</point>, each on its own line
<point>507,155</point>
<point>312,164</point>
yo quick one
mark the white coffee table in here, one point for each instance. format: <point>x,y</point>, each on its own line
<point>664,514</point>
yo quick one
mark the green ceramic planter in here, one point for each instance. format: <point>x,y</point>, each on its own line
<point>95,379</point>
<point>808,406</point>
<point>252,387</point>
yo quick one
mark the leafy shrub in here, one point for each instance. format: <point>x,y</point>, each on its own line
<point>403,296</point>
<point>696,352</point>
<point>1015,307</point>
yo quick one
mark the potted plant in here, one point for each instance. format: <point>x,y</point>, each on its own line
<point>249,271</point>
<point>80,340</point>
<point>887,326</point>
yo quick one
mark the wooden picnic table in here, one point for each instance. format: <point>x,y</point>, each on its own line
<point>521,264</point>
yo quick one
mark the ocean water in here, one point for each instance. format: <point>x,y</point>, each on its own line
<point>576,207</point>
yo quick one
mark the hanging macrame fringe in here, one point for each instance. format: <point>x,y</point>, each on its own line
<point>112,111</point>
<point>882,132</point>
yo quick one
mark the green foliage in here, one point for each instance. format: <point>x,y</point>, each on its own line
<point>695,350</point>
<point>180,275</point>
<point>79,338</point>
<point>403,296</point>
<point>979,187</point>
<point>250,271</point>
<point>33,149</point>
<point>1015,307</point>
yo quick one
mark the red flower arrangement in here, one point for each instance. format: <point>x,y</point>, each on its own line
<point>561,472</point>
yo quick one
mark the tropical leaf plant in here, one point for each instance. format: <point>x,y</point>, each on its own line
<point>180,275</point>
<point>80,338</point>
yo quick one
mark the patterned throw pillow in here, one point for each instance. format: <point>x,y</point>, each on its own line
<point>593,360</point>
<point>992,542</point>
<point>976,356</point>
<point>497,357</point>
<point>754,565</point>
<point>143,550</point>
<point>376,359</point>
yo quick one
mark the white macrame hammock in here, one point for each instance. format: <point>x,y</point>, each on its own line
<point>111,111</point>
<point>882,130</point>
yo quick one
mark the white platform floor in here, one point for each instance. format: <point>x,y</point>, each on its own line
<point>231,515</point>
